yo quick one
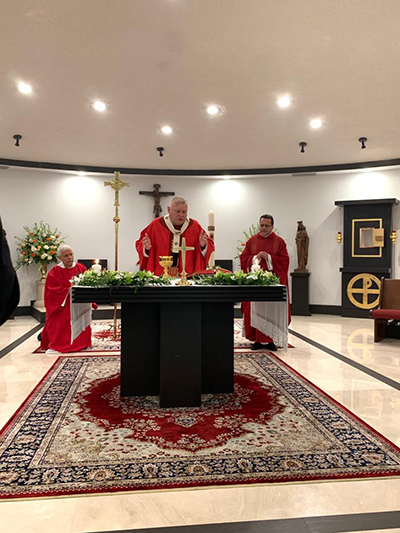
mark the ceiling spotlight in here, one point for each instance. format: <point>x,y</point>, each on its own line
<point>363,140</point>
<point>316,123</point>
<point>160,150</point>
<point>17,138</point>
<point>303,145</point>
<point>284,101</point>
<point>226,177</point>
<point>213,110</point>
<point>100,106</point>
<point>24,88</point>
<point>167,130</point>
<point>82,173</point>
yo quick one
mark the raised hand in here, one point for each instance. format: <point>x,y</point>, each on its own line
<point>203,239</point>
<point>146,242</point>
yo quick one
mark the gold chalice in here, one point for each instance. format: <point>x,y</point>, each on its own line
<point>166,262</point>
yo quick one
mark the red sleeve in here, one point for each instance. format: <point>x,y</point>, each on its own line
<point>139,246</point>
<point>280,262</point>
<point>55,290</point>
<point>246,257</point>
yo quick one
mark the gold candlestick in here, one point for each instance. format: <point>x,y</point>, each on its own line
<point>166,261</point>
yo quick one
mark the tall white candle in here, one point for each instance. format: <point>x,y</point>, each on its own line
<point>97,267</point>
<point>211,218</point>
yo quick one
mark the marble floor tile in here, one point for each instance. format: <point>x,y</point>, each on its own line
<point>372,400</point>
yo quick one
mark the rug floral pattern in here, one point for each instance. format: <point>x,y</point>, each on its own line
<point>75,435</point>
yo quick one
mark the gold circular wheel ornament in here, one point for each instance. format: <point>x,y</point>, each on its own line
<point>368,281</point>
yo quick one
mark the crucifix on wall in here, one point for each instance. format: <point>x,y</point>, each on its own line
<point>157,195</point>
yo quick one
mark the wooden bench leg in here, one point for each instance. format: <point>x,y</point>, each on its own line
<point>380,329</point>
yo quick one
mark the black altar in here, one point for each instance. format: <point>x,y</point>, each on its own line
<point>177,342</point>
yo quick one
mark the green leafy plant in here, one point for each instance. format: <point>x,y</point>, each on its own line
<point>111,279</point>
<point>116,278</point>
<point>260,277</point>
<point>253,230</point>
<point>39,245</point>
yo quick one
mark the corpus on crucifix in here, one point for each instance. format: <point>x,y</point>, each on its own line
<point>157,195</point>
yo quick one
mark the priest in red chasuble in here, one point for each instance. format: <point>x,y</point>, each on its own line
<point>163,236</point>
<point>269,251</point>
<point>56,335</point>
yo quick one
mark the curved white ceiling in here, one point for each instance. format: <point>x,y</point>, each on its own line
<point>159,62</point>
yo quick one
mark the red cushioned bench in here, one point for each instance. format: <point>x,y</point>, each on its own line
<point>388,309</point>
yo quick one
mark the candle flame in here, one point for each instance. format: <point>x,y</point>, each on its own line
<point>96,261</point>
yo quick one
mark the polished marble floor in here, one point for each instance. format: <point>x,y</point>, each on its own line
<point>370,398</point>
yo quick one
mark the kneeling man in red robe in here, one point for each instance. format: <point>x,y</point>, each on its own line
<point>56,335</point>
<point>163,236</point>
<point>269,251</point>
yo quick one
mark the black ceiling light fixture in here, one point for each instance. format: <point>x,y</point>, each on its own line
<point>160,150</point>
<point>363,140</point>
<point>303,144</point>
<point>17,138</point>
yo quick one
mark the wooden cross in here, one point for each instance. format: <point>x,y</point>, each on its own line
<point>157,195</point>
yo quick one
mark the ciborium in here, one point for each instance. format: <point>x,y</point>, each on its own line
<point>166,262</point>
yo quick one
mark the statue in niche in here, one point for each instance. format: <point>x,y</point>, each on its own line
<point>302,242</point>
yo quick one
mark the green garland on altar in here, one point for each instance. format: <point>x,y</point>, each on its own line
<point>111,278</point>
<point>237,278</point>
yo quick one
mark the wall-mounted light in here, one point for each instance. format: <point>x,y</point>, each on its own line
<point>363,140</point>
<point>303,144</point>
<point>17,138</point>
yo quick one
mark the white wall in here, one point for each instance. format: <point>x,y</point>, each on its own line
<point>82,209</point>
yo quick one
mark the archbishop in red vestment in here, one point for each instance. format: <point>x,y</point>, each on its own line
<point>164,235</point>
<point>56,334</point>
<point>270,252</point>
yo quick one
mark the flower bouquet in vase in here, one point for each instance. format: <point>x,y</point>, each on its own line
<point>38,245</point>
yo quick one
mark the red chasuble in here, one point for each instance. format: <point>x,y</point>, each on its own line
<point>276,247</point>
<point>161,244</point>
<point>56,334</point>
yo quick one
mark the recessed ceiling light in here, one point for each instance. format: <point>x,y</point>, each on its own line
<point>226,177</point>
<point>167,130</point>
<point>81,173</point>
<point>284,101</point>
<point>100,106</point>
<point>316,123</point>
<point>213,110</point>
<point>24,88</point>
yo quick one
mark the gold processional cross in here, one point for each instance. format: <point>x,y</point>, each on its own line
<point>183,249</point>
<point>117,185</point>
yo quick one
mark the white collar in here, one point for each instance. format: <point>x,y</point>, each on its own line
<point>61,265</point>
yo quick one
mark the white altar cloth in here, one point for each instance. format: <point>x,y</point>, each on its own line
<point>271,318</point>
<point>81,318</point>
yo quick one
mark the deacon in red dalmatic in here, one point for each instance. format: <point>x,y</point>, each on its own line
<point>269,251</point>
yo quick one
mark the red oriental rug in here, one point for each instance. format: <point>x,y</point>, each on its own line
<point>75,435</point>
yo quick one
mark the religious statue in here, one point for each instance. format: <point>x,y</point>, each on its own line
<point>302,241</point>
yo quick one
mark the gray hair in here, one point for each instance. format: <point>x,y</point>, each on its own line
<point>61,248</point>
<point>178,200</point>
